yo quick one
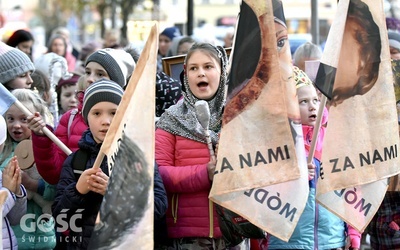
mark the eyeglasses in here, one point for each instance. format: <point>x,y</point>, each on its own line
<point>79,94</point>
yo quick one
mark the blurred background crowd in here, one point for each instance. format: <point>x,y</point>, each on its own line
<point>126,22</point>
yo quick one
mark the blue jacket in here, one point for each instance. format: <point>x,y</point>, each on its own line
<point>69,198</point>
<point>317,227</point>
<point>70,202</point>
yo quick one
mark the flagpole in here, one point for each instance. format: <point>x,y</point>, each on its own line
<point>45,130</point>
<point>317,127</point>
<point>99,159</point>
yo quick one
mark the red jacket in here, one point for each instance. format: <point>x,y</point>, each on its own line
<point>183,168</point>
<point>49,157</point>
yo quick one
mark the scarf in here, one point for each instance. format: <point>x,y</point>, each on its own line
<point>180,119</point>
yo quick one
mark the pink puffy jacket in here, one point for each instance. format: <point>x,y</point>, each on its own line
<point>183,168</point>
<point>49,157</point>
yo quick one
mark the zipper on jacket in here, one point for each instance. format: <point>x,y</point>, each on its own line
<point>211,212</point>
<point>174,207</point>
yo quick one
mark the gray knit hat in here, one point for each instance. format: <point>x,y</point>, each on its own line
<point>13,63</point>
<point>103,90</point>
<point>117,62</point>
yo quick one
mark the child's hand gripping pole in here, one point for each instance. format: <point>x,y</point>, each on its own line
<point>7,99</point>
<point>45,130</point>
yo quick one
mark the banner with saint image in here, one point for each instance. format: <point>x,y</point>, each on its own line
<point>360,149</point>
<point>261,169</point>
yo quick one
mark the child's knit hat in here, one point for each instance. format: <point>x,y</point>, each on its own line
<point>3,130</point>
<point>13,63</point>
<point>58,65</point>
<point>70,81</point>
<point>300,78</point>
<point>117,62</point>
<point>171,32</point>
<point>103,90</point>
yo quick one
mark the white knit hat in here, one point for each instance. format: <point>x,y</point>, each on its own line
<point>13,63</point>
<point>118,63</point>
<point>57,63</point>
<point>3,130</point>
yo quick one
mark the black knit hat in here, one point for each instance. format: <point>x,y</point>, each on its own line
<point>103,90</point>
<point>118,63</point>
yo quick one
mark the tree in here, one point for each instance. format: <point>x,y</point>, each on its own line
<point>126,7</point>
<point>54,14</point>
<point>126,10</point>
<point>101,8</point>
<point>61,9</point>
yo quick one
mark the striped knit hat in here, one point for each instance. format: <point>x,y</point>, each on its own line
<point>118,63</point>
<point>13,63</point>
<point>101,91</point>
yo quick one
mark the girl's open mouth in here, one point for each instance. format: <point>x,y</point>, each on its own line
<point>202,84</point>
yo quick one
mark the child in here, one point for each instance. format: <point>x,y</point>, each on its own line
<point>15,68</point>
<point>41,84</point>
<point>22,40</point>
<point>44,236</point>
<point>66,90</point>
<point>317,227</point>
<point>99,106</point>
<point>306,52</point>
<point>58,44</point>
<point>184,45</point>
<point>15,204</point>
<point>165,41</point>
<point>182,154</point>
<point>115,65</point>
<point>87,49</point>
